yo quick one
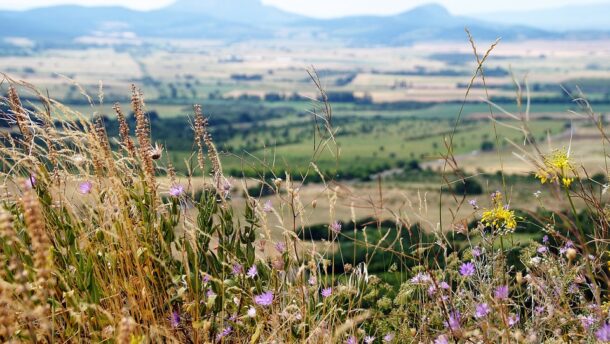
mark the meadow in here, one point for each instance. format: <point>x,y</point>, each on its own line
<point>399,196</point>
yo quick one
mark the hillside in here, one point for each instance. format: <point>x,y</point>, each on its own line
<point>248,19</point>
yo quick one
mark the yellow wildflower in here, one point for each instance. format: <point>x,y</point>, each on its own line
<point>499,217</point>
<point>557,167</point>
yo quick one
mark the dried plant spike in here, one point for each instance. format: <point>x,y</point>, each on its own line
<point>21,117</point>
<point>41,244</point>
<point>143,136</point>
<point>200,128</point>
<point>6,227</point>
<point>124,133</point>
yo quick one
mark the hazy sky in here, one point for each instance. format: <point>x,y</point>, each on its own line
<point>330,8</point>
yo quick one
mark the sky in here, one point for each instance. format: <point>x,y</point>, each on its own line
<point>330,8</point>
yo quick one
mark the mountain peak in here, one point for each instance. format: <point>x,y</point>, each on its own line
<point>429,10</point>
<point>244,11</point>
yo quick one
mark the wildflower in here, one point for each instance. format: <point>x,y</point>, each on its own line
<point>280,247</point>
<point>442,339</point>
<point>537,194</point>
<point>156,152</point>
<point>467,269</point>
<point>603,334</point>
<point>268,206</point>
<point>369,339</point>
<point>539,310</point>
<point>556,168</point>
<point>252,312</point>
<point>473,203</point>
<point>421,278</point>
<point>388,338</point>
<point>264,299</point>
<point>252,271</point>
<point>30,182</point>
<point>210,293</point>
<point>513,320</point>
<point>336,227</point>
<point>312,280</point>
<point>545,239</point>
<point>85,187</point>
<point>444,285</point>
<point>454,321</point>
<point>225,332</point>
<point>542,249</point>
<point>351,340</point>
<point>206,278</point>
<point>501,292</point>
<point>237,269</point>
<point>499,217</point>
<point>564,249</point>
<point>482,310</point>
<point>175,319</point>
<point>326,292</point>
<point>176,190</point>
<point>587,321</point>
<point>476,252</point>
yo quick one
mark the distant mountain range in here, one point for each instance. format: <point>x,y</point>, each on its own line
<point>250,19</point>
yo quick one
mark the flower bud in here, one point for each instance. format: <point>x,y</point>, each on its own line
<point>571,254</point>
<point>519,278</point>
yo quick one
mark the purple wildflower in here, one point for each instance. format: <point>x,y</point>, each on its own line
<point>206,278</point>
<point>442,339</point>
<point>388,338</point>
<point>587,321</point>
<point>482,310</point>
<point>455,319</point>
<point>473,203</point>
<point>431,290</point>
<point>210,293</point>
<point>539,310</point>
<point>336,227</point>
<point>326,292</point>
<point>542,249</point>
<point>264,299</point>
<point>569,244</point>
<point>476,251</point>
<point>175,319</point>
<point>513,320</point>
<point>312,280</point>
<point>176,190</point>
<point>467,269</point>
<point>237,269</point>
<point>351,340</point>
<point>85,187</point>
<point>545,239</point>
<point>280,247</point>
<point>252,271</point>
<point>603,334</point>
<point>30,182</point>
<point>369,339</point>
<point>444,285</point>
<point>501,292</point>
<point>227,331</point>
<point>268,206</point>
<point>421,278</point>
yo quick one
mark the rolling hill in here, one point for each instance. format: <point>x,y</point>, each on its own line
<point>250,19</point>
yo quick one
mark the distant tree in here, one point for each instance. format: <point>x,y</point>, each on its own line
<point>487,146</point>
<point>468,187</point>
